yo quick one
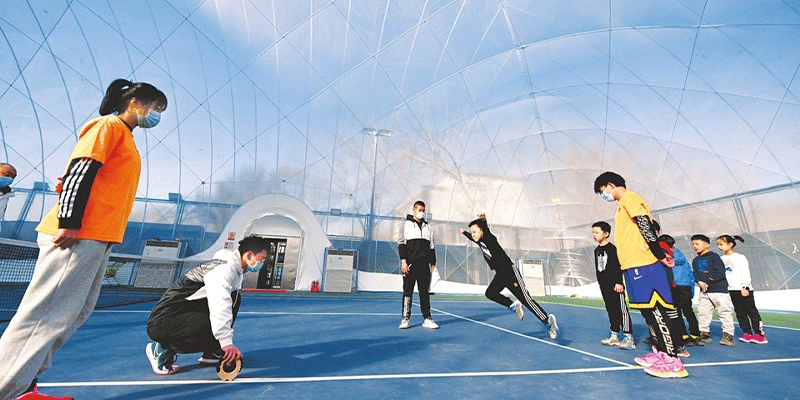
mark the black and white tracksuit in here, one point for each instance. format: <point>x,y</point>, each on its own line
<point>609,274</point>
<point>506,274</point>
<point>417,248</point>
<point>198,311</point>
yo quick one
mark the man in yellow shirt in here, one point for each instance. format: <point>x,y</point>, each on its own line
<point>646,284</point>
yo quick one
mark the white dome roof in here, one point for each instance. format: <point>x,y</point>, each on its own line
<point>507,107</point>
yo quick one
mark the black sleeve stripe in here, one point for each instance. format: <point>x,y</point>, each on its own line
<point>69,188</point>
<point>75,190</point>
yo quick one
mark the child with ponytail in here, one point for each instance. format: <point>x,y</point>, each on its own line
<point>737,272</point>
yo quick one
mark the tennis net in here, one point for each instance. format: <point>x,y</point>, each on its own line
<point>128,279</point>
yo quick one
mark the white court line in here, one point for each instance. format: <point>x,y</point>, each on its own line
<point>311,313</point>
<point>742,362</point>
<point>537,339</point>
<point>396,376</point>
<point>390,314</point>
<point>341,378</point>
<point>262,313</point>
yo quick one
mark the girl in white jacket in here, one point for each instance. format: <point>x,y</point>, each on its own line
<point>737,272</point>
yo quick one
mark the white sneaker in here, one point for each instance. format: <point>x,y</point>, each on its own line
<point>611,340</point>
<point>404,324</point>
<point>161,360</point>
<point>210,358</point>
<point>428,323</point>
<point>516,306</point>
<point>627,343</point>
<point>552,326</point>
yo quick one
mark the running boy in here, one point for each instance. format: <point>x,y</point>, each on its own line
<point>506,276</point>
<point>609,277</point>
<point>709,273</point>
<point>641,260</point>
<point>196,314</point>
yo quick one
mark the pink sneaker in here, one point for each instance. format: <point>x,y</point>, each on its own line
<point>758,339</point>
<point>650,358</point>
<point>667,367</point>
<point>746,337</point>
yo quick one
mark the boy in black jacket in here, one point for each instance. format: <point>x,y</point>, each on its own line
<point>506,275</point>
<point>609,277</point>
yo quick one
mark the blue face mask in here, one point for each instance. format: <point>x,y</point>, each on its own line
<point>5,181</point>
<point>608,197</point>
<point>255,268</point>
<point>150,120</point>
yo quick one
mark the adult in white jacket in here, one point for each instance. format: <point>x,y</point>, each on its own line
<point>196,314</point>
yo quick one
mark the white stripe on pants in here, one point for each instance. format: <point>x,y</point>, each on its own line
<point>707,302</point>
<point>62,293</point>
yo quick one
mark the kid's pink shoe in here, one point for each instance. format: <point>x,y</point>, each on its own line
<point>746,337</point>
<point>758,339</point>
<point>650,358</point>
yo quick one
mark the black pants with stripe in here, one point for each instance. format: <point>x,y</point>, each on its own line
<point>508,277</point>
<point>747,313</point>
<point>659,322</point>
<point>619,317</point>
<point>419,273</point>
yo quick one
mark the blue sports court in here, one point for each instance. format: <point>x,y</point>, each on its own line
<point>320,346</point>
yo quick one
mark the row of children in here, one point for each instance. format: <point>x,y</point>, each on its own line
<point>723,281</point>
<point>652,275</point>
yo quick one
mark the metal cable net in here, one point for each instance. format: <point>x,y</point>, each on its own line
<point>506,107</point>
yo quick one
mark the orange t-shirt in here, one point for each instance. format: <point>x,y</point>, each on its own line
<point>632,249</point>
<point>107,140</point>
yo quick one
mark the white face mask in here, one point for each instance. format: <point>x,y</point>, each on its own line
<point>420,215</point>
<point>608,197</point>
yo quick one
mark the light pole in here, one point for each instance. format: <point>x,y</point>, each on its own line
<point>375,133</point>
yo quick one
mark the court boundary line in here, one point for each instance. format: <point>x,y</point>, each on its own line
<point>261,313</point>
<point>343,378</point>
<point>106,310</point>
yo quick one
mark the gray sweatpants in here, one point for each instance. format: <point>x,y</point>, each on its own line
<point>62,293</point>
<point>706,304</point>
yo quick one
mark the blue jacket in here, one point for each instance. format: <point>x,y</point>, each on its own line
<point>682,272</point>
<point>710,269</point>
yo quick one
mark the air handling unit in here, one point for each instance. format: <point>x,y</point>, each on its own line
<point>339,270</point>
